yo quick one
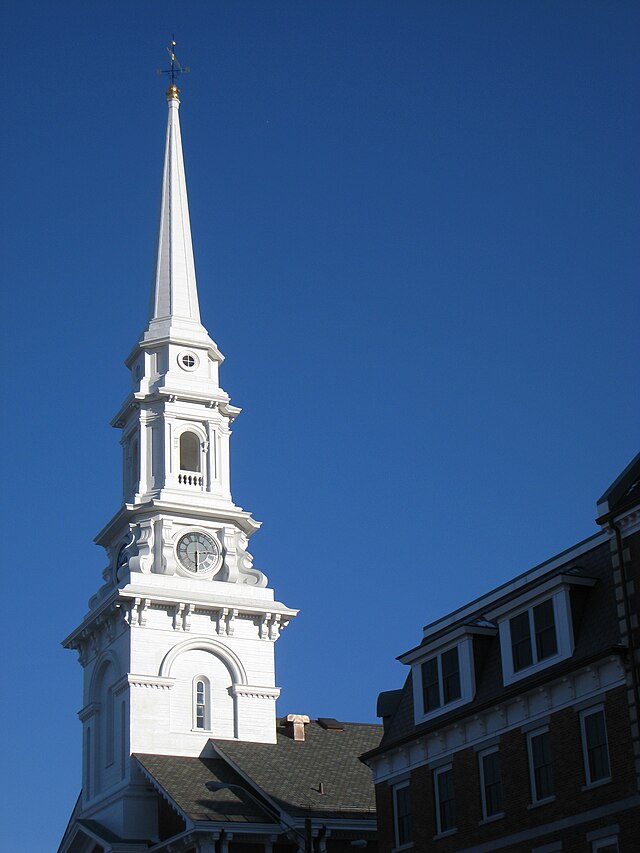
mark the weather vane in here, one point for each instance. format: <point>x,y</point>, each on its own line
<point>176,69</point>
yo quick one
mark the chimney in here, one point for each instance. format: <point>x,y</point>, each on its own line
<point>298,722</point>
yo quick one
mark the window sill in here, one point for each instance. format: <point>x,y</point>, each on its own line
<point>443,709</point>
<point>407,846</point>
<point>597,784</point>
<point>510,676</point>
<point>491,818</point>
<point>543,802</point>
<point>446,834</point>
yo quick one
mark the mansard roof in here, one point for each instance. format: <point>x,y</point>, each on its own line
<point>320,777</point>
<point>595,637</point>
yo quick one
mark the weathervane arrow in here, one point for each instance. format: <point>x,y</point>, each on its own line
<point>176,68</point>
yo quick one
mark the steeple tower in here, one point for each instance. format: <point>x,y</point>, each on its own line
<point>178,644</point>
<point>174,300</point>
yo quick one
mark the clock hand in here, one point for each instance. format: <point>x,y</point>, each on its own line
<point>196,559</point>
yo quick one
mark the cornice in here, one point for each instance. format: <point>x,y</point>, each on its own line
<point>155,682</point>
<point>94,619</point>
<point>130,607</point>
<point>88,711</point>
<point>129,512</point>
<point>629,522</point>
<point>204,342</point>
<point>247,691</point>
<point>473,725</point>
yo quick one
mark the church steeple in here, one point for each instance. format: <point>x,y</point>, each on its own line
<point>174,313</point>
<point>178,644</point>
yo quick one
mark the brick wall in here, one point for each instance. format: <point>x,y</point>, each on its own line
<point>519,814</point>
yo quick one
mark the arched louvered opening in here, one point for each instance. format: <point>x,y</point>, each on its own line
<point>189,452</point>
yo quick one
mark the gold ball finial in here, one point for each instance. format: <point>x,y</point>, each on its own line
<point>173,92</point>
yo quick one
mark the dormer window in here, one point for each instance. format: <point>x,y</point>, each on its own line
<point>443,678</point>
<point>533,635</point>
<point>536,630</point>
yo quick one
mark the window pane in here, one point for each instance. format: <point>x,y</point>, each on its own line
<point>521,641</point>
<point>542,769</point>
<point>450,676</point>
<point>430,688</point>
<point>492,774</point>
<point>446,800</point>
<point>544,625</point>
<point>597,751</point>
<point>403,814</point>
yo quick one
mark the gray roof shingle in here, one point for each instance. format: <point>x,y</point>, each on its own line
<point>289,772</point>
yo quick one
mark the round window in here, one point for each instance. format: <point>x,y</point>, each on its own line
<point>188,360</point>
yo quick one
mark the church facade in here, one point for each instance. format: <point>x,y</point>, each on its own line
<point>182,748</point>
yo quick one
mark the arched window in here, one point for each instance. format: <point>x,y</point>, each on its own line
<point>189,452</point>
<point>201,710</point>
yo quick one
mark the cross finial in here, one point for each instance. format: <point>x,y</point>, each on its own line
<point>174,72</point>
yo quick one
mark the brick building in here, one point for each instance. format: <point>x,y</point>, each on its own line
<point>516,729</point>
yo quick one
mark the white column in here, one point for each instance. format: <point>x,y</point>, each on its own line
<point>168,453</point>
<point>145,454</point>
<point>211,457</point>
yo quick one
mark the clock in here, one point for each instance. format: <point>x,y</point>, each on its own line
<point>198,552</point>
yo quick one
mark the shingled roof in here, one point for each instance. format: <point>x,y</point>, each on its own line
<point>319,777</point>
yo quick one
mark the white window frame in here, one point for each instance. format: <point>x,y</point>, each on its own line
<point>396,829</point>
<point>467,679</point>
<point>481,756</point>
<point>603,843</point>
<point>207,704</point>
<point>564,634</point>
<point>587,712</point>
<point>438,771</point>
<point>535,800</point>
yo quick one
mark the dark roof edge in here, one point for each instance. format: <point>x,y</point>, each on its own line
<point>514,690</point>
<point>619,486</point>
<point>71,822</point>
<point>562,556</point>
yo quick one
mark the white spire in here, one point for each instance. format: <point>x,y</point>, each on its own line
<point>174,313</point>
<point>175,292</point>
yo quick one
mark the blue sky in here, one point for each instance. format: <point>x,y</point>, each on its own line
<point>416,237</point>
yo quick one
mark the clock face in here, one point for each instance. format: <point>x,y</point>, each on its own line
<point>198,552</point>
